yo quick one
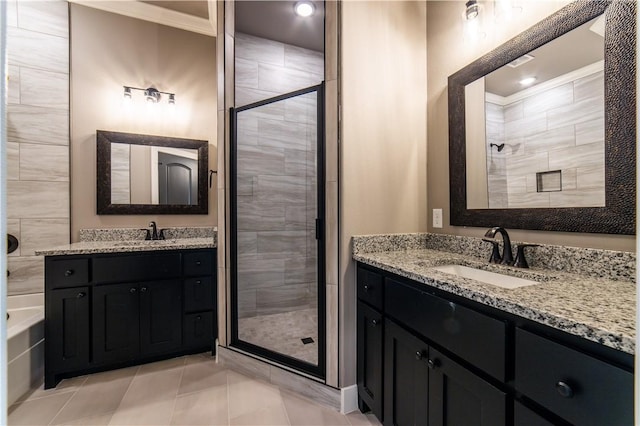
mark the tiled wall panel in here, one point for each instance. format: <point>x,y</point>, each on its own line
<point>38,136</point>
<point>276,177</point>
<point>559,129</point>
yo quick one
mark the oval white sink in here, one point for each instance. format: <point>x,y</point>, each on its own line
<point>487,277</point>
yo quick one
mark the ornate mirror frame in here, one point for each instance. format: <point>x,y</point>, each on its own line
<point>104,205</point>
<point>618,215</point>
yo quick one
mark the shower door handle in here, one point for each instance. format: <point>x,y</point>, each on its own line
<point>319,229</point>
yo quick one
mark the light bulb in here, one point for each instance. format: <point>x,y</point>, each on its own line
<point>304,9</point>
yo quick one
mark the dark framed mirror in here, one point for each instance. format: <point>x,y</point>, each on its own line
<point>146,174</point>
<point>534,178</point>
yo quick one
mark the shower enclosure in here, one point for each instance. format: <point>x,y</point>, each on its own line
<point>277,236</point>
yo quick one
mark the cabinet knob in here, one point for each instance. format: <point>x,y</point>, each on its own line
<point>419,355</point>
<point>132,290</point>
<point>198,318</point>
<point>375,322</point>
<point>81,295</point>
<point>366,287</point>
<point>198,282</point>
<point>564,389</point>
<point>68,272</point>
<point>143,289</point>
<point>198,263</point>
<point>433,363</point>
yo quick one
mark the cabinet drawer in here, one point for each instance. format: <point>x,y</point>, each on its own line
<point>198,263</point>
<point>198,330</point>
<point>471,335</point>
<point>130,268</point>
<point>198,294</point>
<point>575,386</point>
<point>66,272</point>
<point>370,287</point>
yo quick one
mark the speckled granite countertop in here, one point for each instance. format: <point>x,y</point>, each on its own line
<point>595,308</point>
<point>90,247</point>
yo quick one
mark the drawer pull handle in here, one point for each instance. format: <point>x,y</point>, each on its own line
<point>419,355</point>
<point>375,322</point>
<point>564,389</point>
<point>81,295</point>
<point>132,290</point>
<point>143,289</point>
<point>433,363</point>
<point>68,272</point>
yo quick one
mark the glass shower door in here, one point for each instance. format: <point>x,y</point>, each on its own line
<point>277,243</point>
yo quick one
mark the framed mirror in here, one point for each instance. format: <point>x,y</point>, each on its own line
<point>556,152</point>
<point>144,174</point>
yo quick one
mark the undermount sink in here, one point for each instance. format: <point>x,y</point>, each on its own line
<point>141,242</point>
<point>487,277</point>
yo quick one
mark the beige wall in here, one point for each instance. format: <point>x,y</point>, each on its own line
<point>447,54</point>
<point>109,51</point>
<point>383,186</point>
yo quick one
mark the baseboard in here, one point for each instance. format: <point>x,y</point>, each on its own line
<point>349,399</point>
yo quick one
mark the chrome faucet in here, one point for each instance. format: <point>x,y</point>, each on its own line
<point>507,255</point>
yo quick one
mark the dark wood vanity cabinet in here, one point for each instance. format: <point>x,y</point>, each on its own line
<point>131,308</point>
<point>447,362</point>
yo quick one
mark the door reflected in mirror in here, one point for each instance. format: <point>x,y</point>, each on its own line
<point>535,130</point>
<point>142,174</point>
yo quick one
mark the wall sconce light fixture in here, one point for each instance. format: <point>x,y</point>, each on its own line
<point>151,94</point>
<point>471,10</point>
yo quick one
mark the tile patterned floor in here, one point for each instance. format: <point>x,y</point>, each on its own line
<point>191,390</point>
<point>283,333</point>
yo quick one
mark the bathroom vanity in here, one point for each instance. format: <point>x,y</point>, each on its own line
<point>113,304</point>
<point>435,348</point>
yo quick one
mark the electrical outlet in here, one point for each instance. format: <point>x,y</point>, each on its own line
<point>437,218</point>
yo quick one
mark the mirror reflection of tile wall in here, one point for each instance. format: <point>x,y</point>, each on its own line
<point>559,129</point>
<point>37,136</point>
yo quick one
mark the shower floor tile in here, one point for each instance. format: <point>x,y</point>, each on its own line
<point>283,333</point>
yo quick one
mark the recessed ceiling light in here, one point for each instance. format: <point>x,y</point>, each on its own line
<point>527,81</point>
<point>304,8</point>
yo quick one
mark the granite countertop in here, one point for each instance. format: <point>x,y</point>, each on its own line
<point>90,247</point>
<point>598,309</point>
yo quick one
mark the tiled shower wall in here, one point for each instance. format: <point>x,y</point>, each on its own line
<point>37,135</point>
<point>276,177</point>
<point>559,129</point>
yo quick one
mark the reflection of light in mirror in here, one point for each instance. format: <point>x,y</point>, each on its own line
<point>527,81</point>
<point>304,9</point>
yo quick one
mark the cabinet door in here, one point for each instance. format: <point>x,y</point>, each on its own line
<point>160,316</point>
<point>370,350</point>
<point>115,323</point>
<point>459,397</point>
<point>406,377</point>
<point>67,329</point>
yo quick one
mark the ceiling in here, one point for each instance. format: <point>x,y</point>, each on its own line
<point>190,7</point>
<point>276,20</point>
<point>573,50</point>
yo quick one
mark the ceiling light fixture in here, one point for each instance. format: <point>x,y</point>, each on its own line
<point>527,81</point>
<point>304,8</point>
<point>151,94</point>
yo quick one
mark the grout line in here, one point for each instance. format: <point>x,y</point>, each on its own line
<point>66,403</point>
<point>175,397</point>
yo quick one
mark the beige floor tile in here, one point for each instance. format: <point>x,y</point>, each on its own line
<point>358,419</point>
<point>165,365</point>
<point>274,415</point>
<point>100,394</point>
<point>151,388</point>
<point>99,420</point>
<point>66,385</point>
<point>39,411</point>
<point>303,412</point>
<point>209,407</point>
<point>145,413</point>
<point>250,396</point>
<point>200,374</point>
